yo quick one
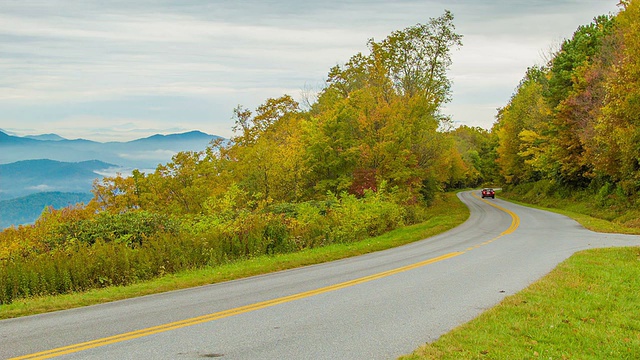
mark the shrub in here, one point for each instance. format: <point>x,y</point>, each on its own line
<point>603,197</point>
<point>119,249</point>
<point>129,228</point>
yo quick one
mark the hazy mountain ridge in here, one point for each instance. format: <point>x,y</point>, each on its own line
<point>49,137</point>
<point>141,153</point>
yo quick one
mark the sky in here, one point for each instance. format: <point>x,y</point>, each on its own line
<point>120,70</point>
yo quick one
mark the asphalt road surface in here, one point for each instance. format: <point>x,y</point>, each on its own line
<point>377,306</point>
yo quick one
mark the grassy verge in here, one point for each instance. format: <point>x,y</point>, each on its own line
<point>444,215</point>
<point>587,308</point>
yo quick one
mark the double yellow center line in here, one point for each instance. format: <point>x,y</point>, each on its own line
<point>515,222</point>
<point>256,306</point>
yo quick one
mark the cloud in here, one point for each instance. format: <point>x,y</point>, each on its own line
<point>123,171</point>
<point>160,155</point>
<point>68,67</point>
<point>41,188</point>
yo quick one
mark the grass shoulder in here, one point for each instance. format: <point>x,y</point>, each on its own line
<point>444,215</point>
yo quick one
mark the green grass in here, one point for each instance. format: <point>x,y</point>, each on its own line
<point>587,308</point>
<point>444,215</point>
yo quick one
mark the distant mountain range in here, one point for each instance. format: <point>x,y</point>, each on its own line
<point>144,153</point>
<point>49,170</point>
<point>52,137</point>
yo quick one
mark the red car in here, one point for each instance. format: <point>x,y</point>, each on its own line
<point>488,193</point>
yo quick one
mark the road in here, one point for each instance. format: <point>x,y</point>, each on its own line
<point>377,306</point>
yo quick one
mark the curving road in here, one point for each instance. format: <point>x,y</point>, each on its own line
<point>376,306</point>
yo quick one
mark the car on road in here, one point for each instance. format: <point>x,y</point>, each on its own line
<point>488,192</point>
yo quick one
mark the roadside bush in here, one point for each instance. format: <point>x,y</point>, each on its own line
<point>120,249</point>
<point>356,219</point>
<point>604,194</point>
<point>101,264</point>
<point>309,226</point>
<point>129,228</point>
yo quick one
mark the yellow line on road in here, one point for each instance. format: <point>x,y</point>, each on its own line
<point>260,305</point>
<point>515,220</point>
<point>223,314</point>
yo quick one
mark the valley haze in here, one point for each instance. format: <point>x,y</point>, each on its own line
<point>37,171</point>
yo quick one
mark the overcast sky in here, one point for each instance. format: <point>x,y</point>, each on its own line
<point>119,70</point>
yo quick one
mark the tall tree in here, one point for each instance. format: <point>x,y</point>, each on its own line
<point>520,124</point>
<point>576,95</point>
<point>384,117</point>
<point>618,127</point>
<point>266,159</point>
<point>573,54</point>
<point>417,58</point>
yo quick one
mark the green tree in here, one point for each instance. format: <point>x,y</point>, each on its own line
<point>379,116</point>
<point>417,58</point>
<point>267,153</point>
<point>477,147</point>
<point>573,54</point>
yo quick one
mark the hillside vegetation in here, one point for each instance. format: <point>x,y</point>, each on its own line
<point>369,155</point>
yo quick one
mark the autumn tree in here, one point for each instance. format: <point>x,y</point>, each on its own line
<point>589,132</point>
<point>266,155</point>
<point>477,147</point>
<point>520,129</point>
<point>617,151</point>
<point>576,94</point>
<point>417,58</point>
<point>574,53</point>
<point>379,116</point>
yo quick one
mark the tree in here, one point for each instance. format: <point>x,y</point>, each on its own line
<point>618,127</point>
<point>267,159</point>
<point>417,58</point>
<point>378,118</point>
<point>576,94</point>
<point>413,61</point>
<point>477,148</point>
<point>350,77</point>
<point>574,53</point>
<point>519,123</point>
